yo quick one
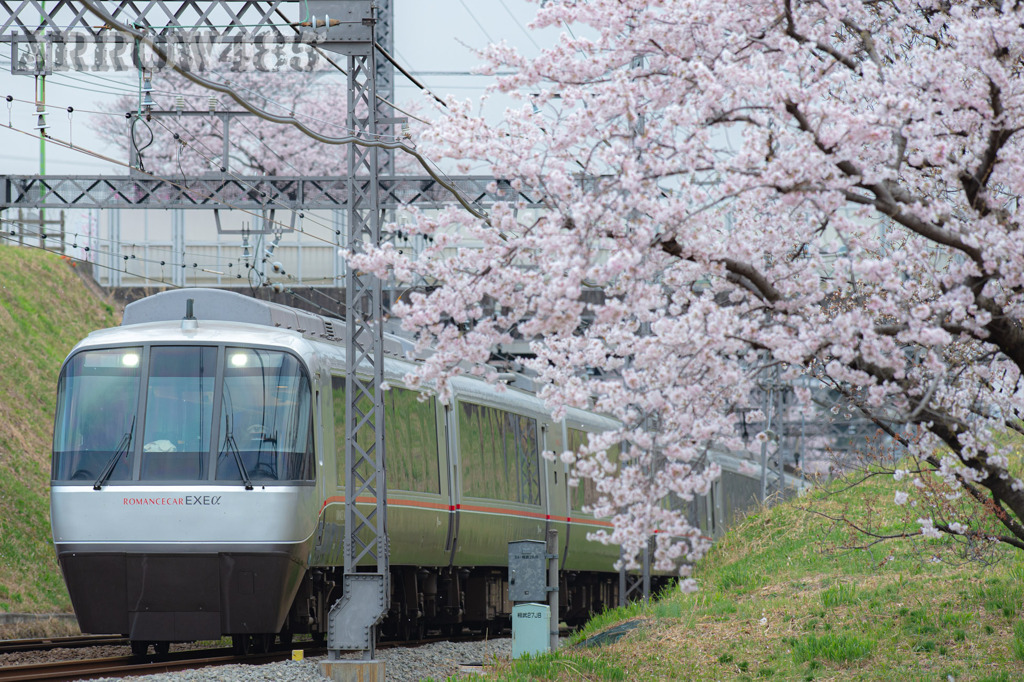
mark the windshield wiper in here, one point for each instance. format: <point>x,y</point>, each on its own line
<point>122,448</point>
<point>231,446</point>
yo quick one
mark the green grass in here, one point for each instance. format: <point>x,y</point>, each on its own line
<point>780,599</point>
<point>831,647</point>
<point>44,310</point>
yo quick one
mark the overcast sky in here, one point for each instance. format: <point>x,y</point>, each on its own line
<point>430,36</point>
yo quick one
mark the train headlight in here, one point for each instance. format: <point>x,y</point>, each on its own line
<point>239,359</point>
<point>130,359</point>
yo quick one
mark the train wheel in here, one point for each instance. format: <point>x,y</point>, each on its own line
<point>412,629</point>
<point>262,643</point>
<point>241,644</point>
<point>139,648</point>
<point>161,648</point>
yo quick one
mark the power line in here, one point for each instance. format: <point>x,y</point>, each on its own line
<point>143,38</point>
<point>125,250</point>
<point>7,237</point>
<point>269,148</point>
<point>125,254</point>
<point>89,152</point>
<point>481,26</point>
<point>519,24</point>
<point>292,112</point>
<point>408,75</point>
<point>239,178</point>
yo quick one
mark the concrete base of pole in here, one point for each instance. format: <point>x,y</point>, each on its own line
<point>353,671</point>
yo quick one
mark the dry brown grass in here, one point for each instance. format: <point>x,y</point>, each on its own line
<point>39,628</point>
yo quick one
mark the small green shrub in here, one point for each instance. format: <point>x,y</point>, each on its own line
<point>841,594</point>
<point>837,648</point>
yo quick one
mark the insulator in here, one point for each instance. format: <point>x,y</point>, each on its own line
<point>212,103</point>
<point>41,117</point>
<point>179,103</point>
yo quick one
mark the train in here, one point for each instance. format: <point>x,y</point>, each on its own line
<point>197,486</point>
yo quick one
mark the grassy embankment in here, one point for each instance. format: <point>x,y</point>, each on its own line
<point>780,600</point>
<point>45,308</point>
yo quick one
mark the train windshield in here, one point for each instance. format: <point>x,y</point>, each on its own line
<point>179,413</point>
<point>157,414</point>
<point>265,418</point>
<point>96,412</point>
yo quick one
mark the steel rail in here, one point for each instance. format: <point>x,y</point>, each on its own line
<point>9,646</point>
<point>123,666</point>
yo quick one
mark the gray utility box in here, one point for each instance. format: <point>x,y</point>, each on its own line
<point>527,571</point>
<point>531,629</point>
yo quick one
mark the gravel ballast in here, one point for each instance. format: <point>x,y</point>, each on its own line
<point>438,661</point>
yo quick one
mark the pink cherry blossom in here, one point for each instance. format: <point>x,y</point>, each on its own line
<point>832,187</point>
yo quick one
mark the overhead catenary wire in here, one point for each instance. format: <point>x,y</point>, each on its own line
<point>7,237</point>
<point>408,75</point>
<point>125,259</point>
<point>89,152</point>
<point>240,179</point>
<point>196,265</point>
<point>337,66</point>
<point>125,250</point>
<point>50,105</point>
<point>519,24</point>
<point>291,111</point>
<point>62,143</point>
<point>143,38</point>
<point>269,148</point>
<point>477,21</point>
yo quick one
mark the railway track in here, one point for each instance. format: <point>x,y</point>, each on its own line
<point>123,666</point>
<point>10,646</point>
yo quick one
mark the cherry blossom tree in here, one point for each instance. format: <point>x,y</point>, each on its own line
<point>831,187</point>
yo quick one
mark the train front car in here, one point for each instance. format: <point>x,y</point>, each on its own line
<point>183,499</point>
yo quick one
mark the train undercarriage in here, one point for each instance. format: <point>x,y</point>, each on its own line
<point>446,601</point>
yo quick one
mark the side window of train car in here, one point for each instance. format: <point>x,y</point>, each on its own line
<point>410,438</point>
<point>500,454</point>
<point>586,492</point>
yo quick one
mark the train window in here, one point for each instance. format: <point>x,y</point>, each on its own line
<point>97,399</point>
<point>266,418</point>
<point>586,491</point>
<point>500,454</point>
<point>410,438</point>
<point>179,413</point>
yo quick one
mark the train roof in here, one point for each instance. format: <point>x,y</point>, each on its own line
<point>230,306</point>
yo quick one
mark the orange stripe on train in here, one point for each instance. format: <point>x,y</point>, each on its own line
<point>501,511</point>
